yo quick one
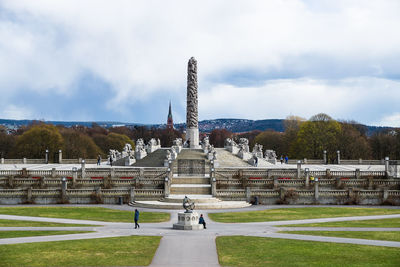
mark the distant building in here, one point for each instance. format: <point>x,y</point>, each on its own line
<point>170,121</point>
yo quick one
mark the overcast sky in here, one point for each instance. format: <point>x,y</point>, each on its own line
<point>124,60</point>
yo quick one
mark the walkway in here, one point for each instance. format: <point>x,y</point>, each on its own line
<point>196,248</point>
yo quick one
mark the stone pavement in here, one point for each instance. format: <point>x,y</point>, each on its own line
<point>197,248</point>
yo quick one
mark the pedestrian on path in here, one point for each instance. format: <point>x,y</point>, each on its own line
<point>98,160</point>
<point>281,159</point>
<point>136,219</point>
<point>202,221</point>
<point>286,159</point>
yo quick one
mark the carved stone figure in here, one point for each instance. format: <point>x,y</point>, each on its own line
<point>188,205</point>
<point>192,112</point>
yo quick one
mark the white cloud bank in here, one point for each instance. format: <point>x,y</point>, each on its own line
<point>141,48</point>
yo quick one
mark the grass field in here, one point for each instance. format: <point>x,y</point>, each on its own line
<point>285,214</point>
<point>262,251</point>
<point>394,222</point>
<point>379,235</point>
<point>116,251</point>
<point>15,223</point>
<point>85,213</point>
<point>11,234</point>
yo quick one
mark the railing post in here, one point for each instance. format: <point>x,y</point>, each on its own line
<point>338,156</point>
<point>24,160</point>
<point>387,166</point>
<point>64,190</point>
<point>360,161</point>
<point>316,189</point>
<point>328,173</point>
<point>370,182</point>
<point>385,194</point>
<point>2,160</point>
<point>60,156</point>
<point>131,194</point>
<point>112,172</point>
<point>83,169</point>
<point>307,174</point>
<point>276,183</point>
<point>338,182</point>
<point>248,194</point>
<point>43,182</point>
<point>166,186</point>
<point>24,172</point>
<point>46,157</point>
<point>29,195</point>
<point>324,157</point>
<point>74,175</point>
<point>298,169</point>
<point>358,174</point>
<point>53,172</point>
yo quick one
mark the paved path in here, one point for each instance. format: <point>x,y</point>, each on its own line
<point>196,248</point>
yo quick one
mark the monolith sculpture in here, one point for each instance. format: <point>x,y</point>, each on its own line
<point>192,124</point>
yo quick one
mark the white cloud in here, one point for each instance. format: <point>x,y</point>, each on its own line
<point>16,112</point>
<point>390,120</point>
<point>349,99</point>
<point>141,47</point>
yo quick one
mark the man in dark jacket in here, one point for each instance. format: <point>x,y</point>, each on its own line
<point>202,221</point>
<point>136,219</point>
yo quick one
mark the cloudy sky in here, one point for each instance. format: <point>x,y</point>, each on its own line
<point>124,60</point>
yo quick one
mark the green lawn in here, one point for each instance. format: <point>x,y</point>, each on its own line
<point>394,222</point>
<point>14,223</point>
<point>86,213</point>
<point>387,236</point>
<point>11,234</point>
<point>262,251</point>
<point>116,251</point>
<point>296,214</point>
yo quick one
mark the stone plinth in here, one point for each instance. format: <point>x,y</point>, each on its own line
<point>188,221</point>
<point>192,134</point>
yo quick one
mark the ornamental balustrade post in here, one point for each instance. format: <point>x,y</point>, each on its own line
<point>385,194</point>
<point>316,189</point>
<point>29,195</point>
<point>60,156</point>
<point>307,178</point>
<point>387,166</point>
<point>358,174</point>
<point>74,175</point>
<point>53,172</point>
<point>370,182</point>
<point>2,160</point>
<point>166,186</point>
<point>83,169</point>
<point>298,169</point>
<point>325,159</point>
<point>248,194</point>
<point>131,194</point>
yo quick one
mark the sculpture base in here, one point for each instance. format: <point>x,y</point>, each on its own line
<point>188,221</point>
<point>192,134</point>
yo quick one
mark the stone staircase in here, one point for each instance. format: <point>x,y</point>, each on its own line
<point>196,187</point>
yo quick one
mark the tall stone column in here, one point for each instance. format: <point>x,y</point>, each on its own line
<point>192,124</point>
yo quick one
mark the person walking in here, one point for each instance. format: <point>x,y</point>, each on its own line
<point>281,159</point>
<point>136,219</point>
<point>202,221</point>
<point>98,160</point>
<point>286,159</point>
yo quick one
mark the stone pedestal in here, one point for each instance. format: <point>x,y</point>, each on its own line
<point>188,221</point>
<point>192,134</point>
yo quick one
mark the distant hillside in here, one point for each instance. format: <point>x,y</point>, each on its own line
<point>233,125</point>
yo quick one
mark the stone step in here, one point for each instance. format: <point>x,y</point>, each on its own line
<point>195,198</point>
<point>199,189</point>
<point>190,180</point>
<point>198,206</point>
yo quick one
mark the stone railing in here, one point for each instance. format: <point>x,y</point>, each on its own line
<point>231,193</point>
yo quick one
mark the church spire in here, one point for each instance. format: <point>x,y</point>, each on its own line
<point>170,122</point>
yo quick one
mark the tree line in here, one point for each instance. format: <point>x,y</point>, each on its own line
<point>301,139</point>
<point>75,142</point>
<point>309,138</point>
